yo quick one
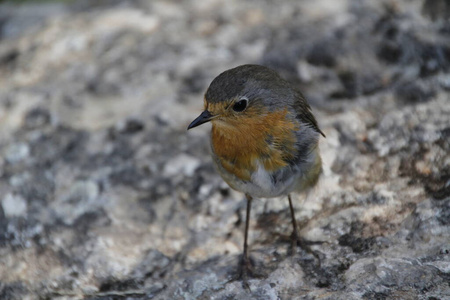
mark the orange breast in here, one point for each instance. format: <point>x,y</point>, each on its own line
<point>243,142</point>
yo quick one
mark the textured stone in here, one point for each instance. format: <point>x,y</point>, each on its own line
<point>14,205</point>
<point>104,194</point>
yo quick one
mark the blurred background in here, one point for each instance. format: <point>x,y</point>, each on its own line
<point>105,195</point>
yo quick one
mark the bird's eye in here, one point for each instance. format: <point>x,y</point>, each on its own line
<point>240,105</point>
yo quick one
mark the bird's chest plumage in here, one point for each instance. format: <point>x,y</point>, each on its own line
<point>248,153</point>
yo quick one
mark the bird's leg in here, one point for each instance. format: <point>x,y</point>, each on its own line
<point>245,264</point>
<point>247,222</point>
<point>246,267</point>
<point>295,237</point>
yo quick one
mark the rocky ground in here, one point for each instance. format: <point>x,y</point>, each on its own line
<point>105,195</point>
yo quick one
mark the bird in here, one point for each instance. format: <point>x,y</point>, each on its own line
<point>264,138</point>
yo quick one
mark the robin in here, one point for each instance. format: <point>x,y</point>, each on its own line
<point>264,137</point>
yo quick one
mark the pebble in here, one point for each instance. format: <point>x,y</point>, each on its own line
<point>14,206</point>
<point>182,163</point>
<point>17,152</point>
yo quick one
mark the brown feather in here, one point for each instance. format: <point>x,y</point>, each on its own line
<point>241,143</point>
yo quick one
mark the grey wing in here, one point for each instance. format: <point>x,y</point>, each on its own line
<point>304,113</point>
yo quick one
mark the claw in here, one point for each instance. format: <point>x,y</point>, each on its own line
<point>305,245</point>
<point>246,271</point>
<point>296,240</point>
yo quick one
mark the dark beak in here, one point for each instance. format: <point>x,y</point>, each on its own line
<point>204,117</point>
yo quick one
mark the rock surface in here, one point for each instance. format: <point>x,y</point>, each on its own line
<point>104,195</point>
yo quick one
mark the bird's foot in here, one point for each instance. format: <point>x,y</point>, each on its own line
<point>297,241</point>
<point>246,271</point>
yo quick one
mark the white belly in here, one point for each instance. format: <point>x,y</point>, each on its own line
<point>266,184</point>
<point>262,184</point>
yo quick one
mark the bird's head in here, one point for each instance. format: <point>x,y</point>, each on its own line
<point>244,95</point>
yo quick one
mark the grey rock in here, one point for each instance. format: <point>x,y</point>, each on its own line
<point>104,194</point>
<point>79,199</point>
<point>14,205</point>
<point>17,152</point>
<point>183,164</point>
